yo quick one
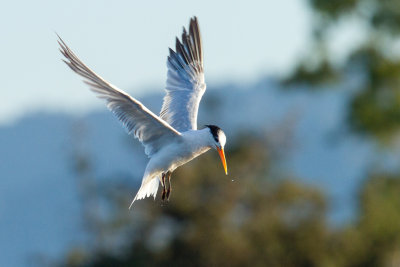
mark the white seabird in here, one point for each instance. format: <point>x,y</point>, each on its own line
<point>171,139</point>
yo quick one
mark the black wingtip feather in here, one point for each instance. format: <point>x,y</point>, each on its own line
<point>189,47</point>
<point>181,50</point>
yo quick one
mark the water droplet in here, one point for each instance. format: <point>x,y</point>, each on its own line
<point>233,180</point>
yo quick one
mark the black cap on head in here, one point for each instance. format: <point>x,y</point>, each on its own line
<point>214,131</point>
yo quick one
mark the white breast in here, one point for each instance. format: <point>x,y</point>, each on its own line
<point>191,145</point>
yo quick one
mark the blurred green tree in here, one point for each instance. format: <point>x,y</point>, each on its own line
<point>373,239</point>
<point>375,108</point>
<point>255,219</point>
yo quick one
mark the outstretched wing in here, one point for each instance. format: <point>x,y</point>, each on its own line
<point>152,131</point>
<point>185,81</point>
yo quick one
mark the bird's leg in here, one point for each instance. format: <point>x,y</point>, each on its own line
<point>163,184</point>
<point>169,184</point>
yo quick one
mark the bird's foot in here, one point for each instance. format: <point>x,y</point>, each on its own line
<point>169,185</point>
<point>163,194</point>
<point>163,185</point>
<point>168,193</point>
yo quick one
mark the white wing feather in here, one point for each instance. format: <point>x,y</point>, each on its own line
<point>185,81</point>
<point>152,131</point>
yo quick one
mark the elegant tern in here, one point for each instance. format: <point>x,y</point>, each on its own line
<point>171,139</point>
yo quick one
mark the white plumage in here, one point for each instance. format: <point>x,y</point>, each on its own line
<point>171,139</point>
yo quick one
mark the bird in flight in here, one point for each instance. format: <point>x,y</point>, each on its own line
<point>172,138</point>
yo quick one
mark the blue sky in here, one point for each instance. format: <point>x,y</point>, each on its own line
<point>126,42</point>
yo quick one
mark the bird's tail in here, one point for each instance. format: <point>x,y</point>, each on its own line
<point>147,189</point>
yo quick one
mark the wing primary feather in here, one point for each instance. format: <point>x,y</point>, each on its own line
<point>174,59</point>
<point>187,45</point>
<point>195,32</point>
<point>181,50</point>
<point>193,40</point>
<point>185,82</point>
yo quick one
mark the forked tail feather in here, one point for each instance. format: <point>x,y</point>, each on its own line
<point>147,189</point>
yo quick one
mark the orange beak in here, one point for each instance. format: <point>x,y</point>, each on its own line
<point>222,156</point>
